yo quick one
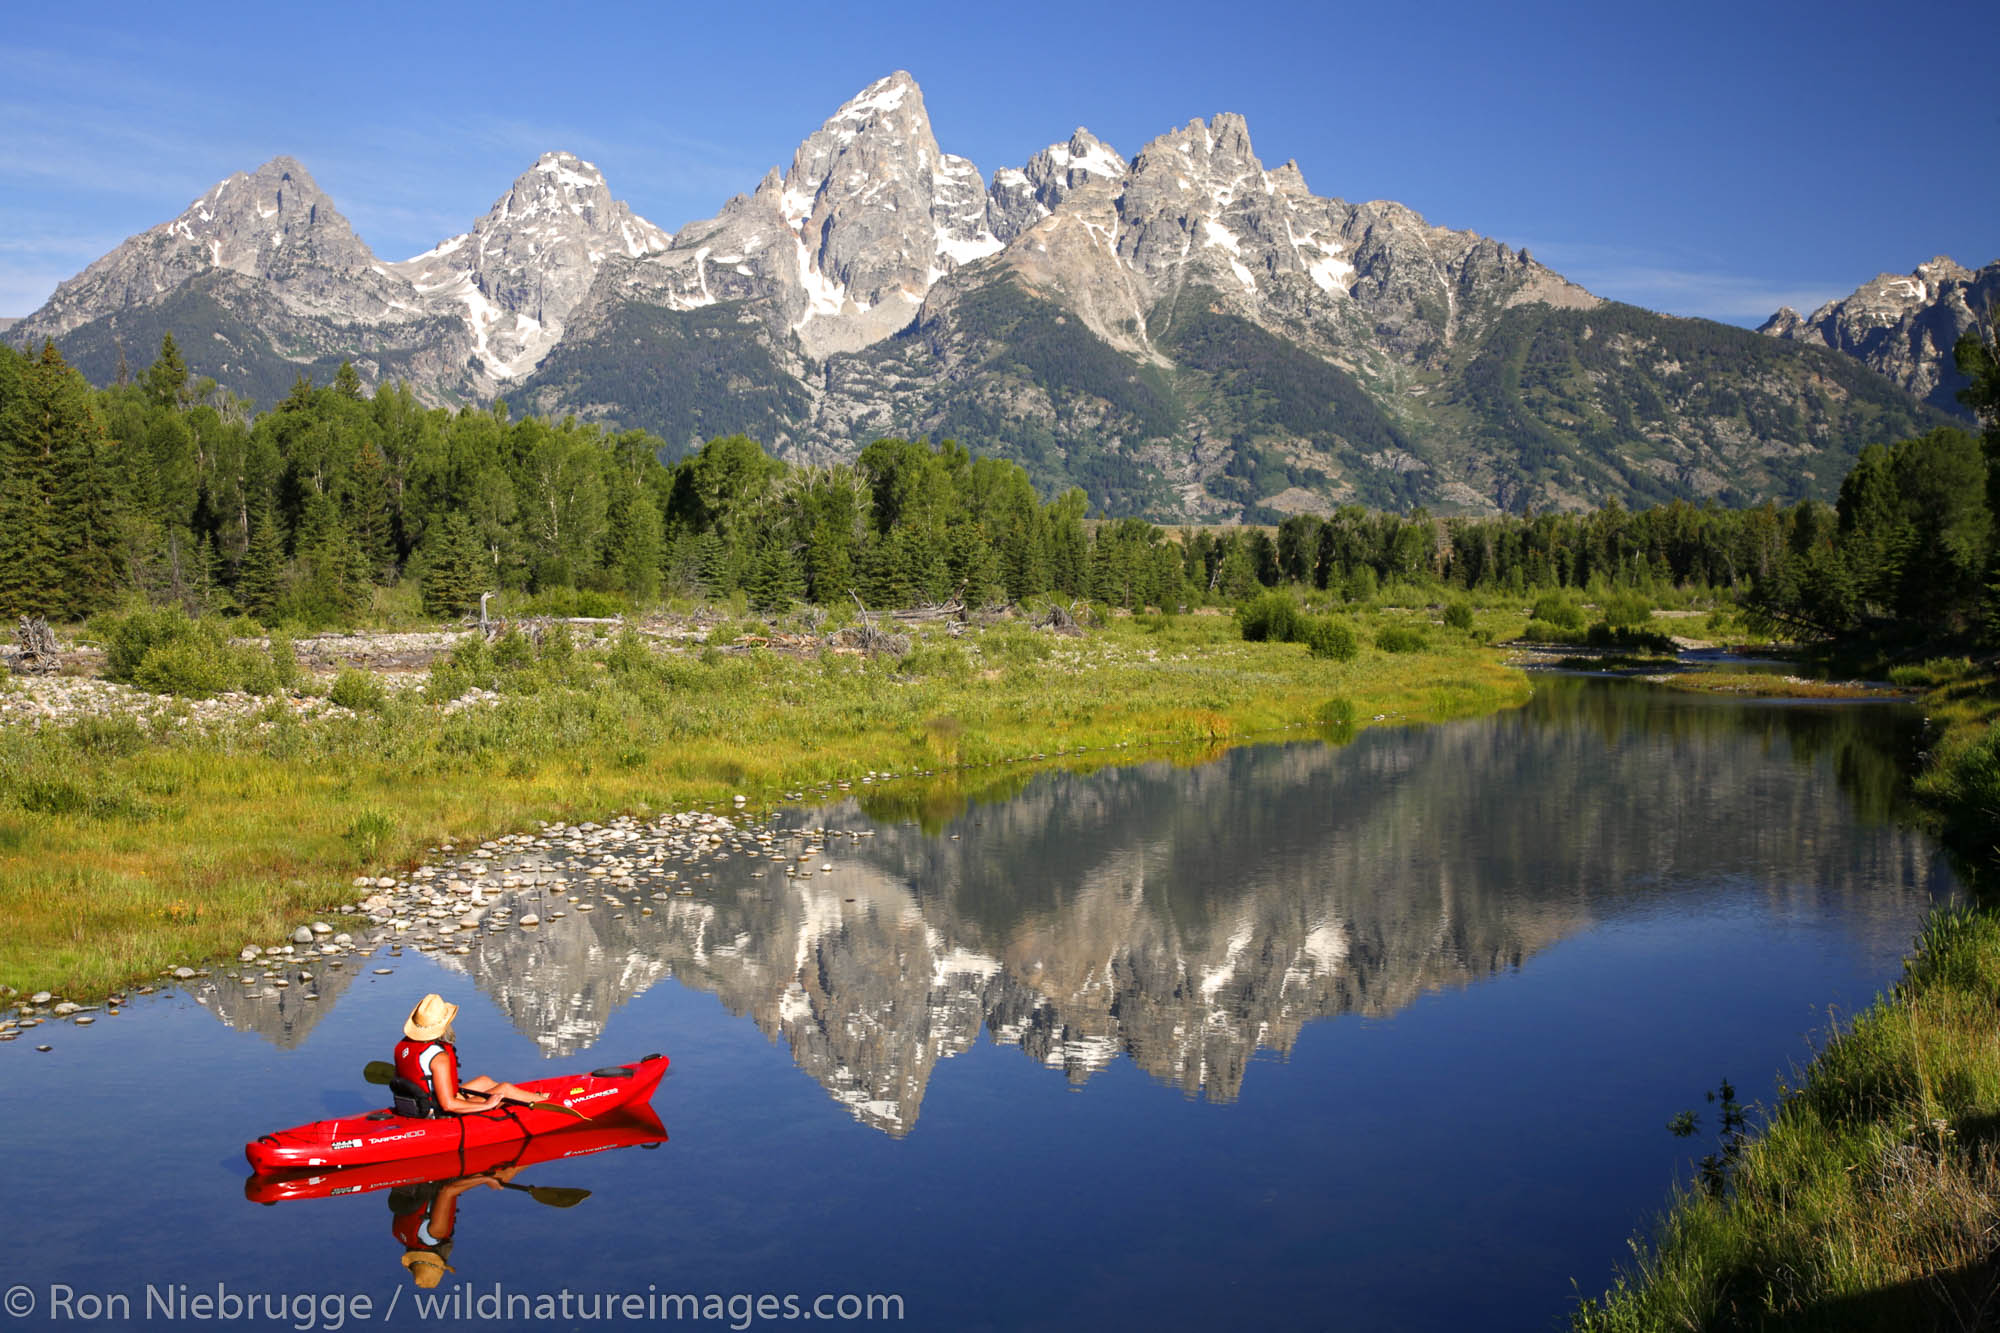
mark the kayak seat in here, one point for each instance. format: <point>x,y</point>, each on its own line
<point>412,1101</point>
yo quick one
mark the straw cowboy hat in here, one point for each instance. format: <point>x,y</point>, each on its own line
<point>431,1018</point>
<point>427,1267</point>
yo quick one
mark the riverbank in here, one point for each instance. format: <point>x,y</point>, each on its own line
<point>130,846</point>
<point>1871,1198</point>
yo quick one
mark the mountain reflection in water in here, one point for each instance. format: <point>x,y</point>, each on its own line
<point>1187,917</point>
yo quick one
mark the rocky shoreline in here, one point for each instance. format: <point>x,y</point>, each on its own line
<point>461,897</point>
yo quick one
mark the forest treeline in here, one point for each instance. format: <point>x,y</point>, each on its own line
<point>164,488</point>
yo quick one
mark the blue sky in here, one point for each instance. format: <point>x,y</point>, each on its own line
<point>1702,159</point>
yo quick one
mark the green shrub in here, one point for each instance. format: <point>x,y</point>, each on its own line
<point>1542,631</point>
<point>1401,639</point>
<point>1557,610</point>
<point>1335,713</point>
<point>1627,610</point>
<point>284,662</point>
<point>629,655</point>
<point>934,659</point>
<point>187,667</point>
<point>1458,616</point>
<point>111,737</point>
<point>1602,635</point>
<point>563,603</point>
<point>1929,675</point>
<point>1360,585</point>
<point>128,638</point>
<point>165,652</point>
<point>1272,617</point>
<point>557,645</point>
<point>359,691</point>
<point>512,651</point>
<point>1332,638</point>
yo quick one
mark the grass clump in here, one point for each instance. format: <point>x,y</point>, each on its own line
<point>1401,639</point>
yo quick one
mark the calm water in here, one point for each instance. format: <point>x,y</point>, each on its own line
<point>1382,1035</point>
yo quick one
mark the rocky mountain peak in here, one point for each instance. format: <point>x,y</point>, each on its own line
<point>530,259</point>
<point>1021,197</point>
<point>847,242</point>
<point>248,220</point>
<point>273,225</point>
<point>1902,324</point>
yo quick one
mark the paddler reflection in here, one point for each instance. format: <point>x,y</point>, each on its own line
<point>427,1216</point>
<point>425,1192</point>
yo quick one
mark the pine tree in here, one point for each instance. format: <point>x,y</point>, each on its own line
<point>776,580</point>
<point>882,571</point>
<point>346,382</point>
<point>332,574</point>
<point>714,567</point>
<point>260,580</point>
<point>60,516</point>
<point>369,513</point>
<point>455,577</point>
<point>167,378</point>
<point>637,547</point>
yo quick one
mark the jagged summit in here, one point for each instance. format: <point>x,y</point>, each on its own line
<point>1023,196</point>
<point>273,225</point>
<point>526,264</point>
<point>1903,325</point>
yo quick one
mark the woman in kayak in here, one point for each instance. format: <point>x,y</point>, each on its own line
<point>427,1059</point>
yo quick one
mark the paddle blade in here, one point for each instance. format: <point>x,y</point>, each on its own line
<point>566,1110</point>
<point>379,1072</point>
<point>557,1197</point>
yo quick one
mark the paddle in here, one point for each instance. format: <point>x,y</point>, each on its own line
<point>555,1196</point>
<point>381,1073</point>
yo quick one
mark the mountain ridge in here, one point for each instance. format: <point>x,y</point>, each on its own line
<point>1187,334</point>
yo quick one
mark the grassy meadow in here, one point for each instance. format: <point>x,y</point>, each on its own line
<point>128,847</point>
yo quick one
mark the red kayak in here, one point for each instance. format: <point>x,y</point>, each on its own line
<point>384,1136</point>
<point>628,1127</point>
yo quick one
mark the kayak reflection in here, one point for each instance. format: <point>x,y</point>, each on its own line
<point>424,1192</point>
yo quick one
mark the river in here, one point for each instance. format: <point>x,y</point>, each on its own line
<point>1375,1032</point>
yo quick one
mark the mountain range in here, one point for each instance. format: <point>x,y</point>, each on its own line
<point>1185,333</point>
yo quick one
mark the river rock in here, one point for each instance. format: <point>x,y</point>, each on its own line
<point>303,935</point>
<point>531,920</point>
<point>183,973</point>
<point>40,997</point>
<point>319,928</point>
<point>66,1008</point>
<point>85,1021</point>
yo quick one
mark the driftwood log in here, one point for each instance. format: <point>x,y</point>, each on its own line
<point>39,653</point>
